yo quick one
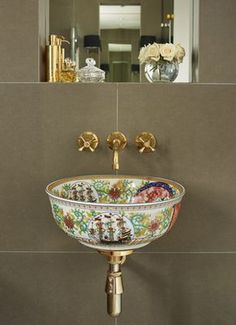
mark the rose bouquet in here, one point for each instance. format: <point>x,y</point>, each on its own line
<point>162,61</point>
<point>158,52</point>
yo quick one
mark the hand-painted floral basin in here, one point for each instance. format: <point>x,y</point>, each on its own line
<point>115,212</point>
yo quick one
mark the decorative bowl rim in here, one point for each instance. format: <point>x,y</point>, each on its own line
<point>178,197</point>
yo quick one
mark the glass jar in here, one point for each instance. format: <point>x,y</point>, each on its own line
<point>90,73</point>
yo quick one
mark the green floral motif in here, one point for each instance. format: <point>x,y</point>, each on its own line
<point>140,223</point>
<point>75,221</point>
<point>63,193</point>
<point>56,192</point>
<point>58,214</point>
<point>120,192</point>
<point>164,218</point>
<point>102,188</point>
<point>144,227</point>
<point>67,187</point>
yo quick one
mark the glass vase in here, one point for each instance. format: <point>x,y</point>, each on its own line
<point>161,71</point>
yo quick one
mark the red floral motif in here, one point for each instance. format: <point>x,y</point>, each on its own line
<point>151,195</point>
<point>69,222</point>
<point>114,193</point>
<point>154,225</point>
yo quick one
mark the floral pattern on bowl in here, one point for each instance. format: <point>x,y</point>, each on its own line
<point>115,212</point>
<point>121,191</point>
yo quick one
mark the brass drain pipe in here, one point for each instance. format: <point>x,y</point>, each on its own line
<point>114,284</point>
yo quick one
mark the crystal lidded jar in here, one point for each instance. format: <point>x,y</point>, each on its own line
<point>90,73</point>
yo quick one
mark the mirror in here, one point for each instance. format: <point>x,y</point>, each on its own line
<point>120,34</point>
<point>120,27</point>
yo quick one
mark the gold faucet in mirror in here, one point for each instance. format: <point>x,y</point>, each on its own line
<point>117,142</point>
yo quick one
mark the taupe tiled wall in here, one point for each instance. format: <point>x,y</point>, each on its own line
<point>217,41</point>
<point>22,35</point>
<point>187,277</point>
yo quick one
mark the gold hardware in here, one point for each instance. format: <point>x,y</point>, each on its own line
<point>87,141</point>
<point>170,16</point>
<point>146,142</point>
<point>55,57</point>
<point>68,72</point>
<point>114,284</point>
<point>117,142</point>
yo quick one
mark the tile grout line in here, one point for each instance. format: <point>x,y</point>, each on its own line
<point>46,252</point>
<point>197,84</point>
<point>193,252</point>
<point>117,108</point>
<point>94,252</point>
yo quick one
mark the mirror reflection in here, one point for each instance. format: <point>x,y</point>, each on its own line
<point>120,33</point>
<point>113,33</point>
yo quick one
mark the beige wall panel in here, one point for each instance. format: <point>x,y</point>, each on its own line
<point>21,35</point>
<point>173,289</point>
<point>217,41</point>
<point>53,289</point>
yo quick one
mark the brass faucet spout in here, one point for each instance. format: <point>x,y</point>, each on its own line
<point>116,142</point>
<point>115,163</point>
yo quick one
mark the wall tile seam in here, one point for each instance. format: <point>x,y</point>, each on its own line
<point>180,84</point>
<point>38,40</point>
<point>136,253</point>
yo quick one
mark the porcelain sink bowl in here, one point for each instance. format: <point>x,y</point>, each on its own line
<point>115,212</point>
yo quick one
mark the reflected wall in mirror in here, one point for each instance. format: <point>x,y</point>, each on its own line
<point>120,25</point>
<point>120,33</point>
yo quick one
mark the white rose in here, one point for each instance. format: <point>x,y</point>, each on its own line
<point>153,52</point>
<point>142,56</point>
<point>167,51</point>
<point>179,53</point>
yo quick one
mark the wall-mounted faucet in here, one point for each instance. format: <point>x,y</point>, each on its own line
<point>117,142</point>
<point>145,142</point>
